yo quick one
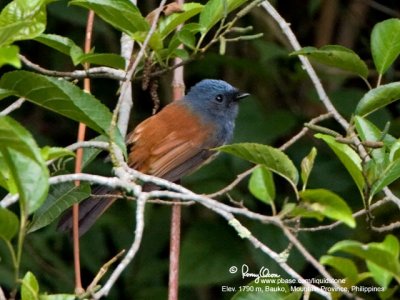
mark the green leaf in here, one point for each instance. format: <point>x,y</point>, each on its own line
<point>328,204</point>
<point>187,38</point>
<point>307,165</point>
<point>369,132</point>
<point>261,184</point>
<point>385,44</point>
<point>68,47</point>
<point>344,265</point>
<point>348,157</point>
<point>336,56</point>
<point>22,20</point>
<point>272,158</point>
<point>8,224</point>
<point>9,56</point>
<point>381,276</point>
<point>60,198</point>
<point>121,14</point>
<point>170,23</point>
<point>20,154</point>
<point>155,42</point>
<point>380,257</point>
<point>377,98</point>
<point>57,42</point>
<point>50,153</point>
<point>62,97</point>
<point>386,177</point>
<point>4,93</point>
<point>29,287</point>
<point>105,59</point>
<point>216,10</point>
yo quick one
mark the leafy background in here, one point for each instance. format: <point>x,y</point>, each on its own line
<point>282,100</point>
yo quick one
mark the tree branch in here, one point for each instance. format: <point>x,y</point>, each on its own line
<point>15,105</point>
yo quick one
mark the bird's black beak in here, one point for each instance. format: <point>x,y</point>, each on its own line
<point>241,95</point>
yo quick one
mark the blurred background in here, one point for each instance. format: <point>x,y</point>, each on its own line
<point>283,98</point>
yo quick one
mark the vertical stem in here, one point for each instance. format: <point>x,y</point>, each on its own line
<point>78,165</point>
<point>178,91</point>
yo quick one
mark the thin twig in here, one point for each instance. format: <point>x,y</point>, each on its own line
<point>88,144</point>
<point>141,201</point>
<point>355,215</point>
<point>97,72</point>
<point>15,105</point>
<point>103,270</point>
<point>8,200</point>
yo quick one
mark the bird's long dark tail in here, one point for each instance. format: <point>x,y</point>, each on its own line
<point>89,210</point>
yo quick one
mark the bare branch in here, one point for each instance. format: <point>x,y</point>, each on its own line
<point>8,200</point>
<point>98,72</point>
<point>141,201</point>
<point>17,104</point>
<point>88,144</point>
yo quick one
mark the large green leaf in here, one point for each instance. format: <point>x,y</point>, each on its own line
<point>272,158</point>
<point>62,97</point>
<point>336,56</point>
<point>21,20</point>
<point>381,276</point>
<point>8,224</point>
<point>50,153</point>
<point>216,10</point>
<point>344,265</point>
<point>61,197</point>
<point>29,287</point>
<point>27,170</point>
<point>171,22</point>
<point>261,184</point>
<point>121,14</point>
<point>68,47</point>
<point>378,98</point>
<point>57,42</point>
<point>328,204</point>
<point>9,56</point>
<point>372,253</point>
<point>105,59</point>
<point>348,157</point>
<point>385,44</point>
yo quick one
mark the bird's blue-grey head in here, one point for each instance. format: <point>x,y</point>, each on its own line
<point>216,101</point>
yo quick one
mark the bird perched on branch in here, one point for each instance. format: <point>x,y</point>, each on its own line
<point>174,142</point>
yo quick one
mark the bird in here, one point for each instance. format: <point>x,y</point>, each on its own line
<point>174,142</point>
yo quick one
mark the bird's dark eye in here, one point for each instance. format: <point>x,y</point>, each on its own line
<point>219,98</point>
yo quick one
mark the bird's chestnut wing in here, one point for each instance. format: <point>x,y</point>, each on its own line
<point>171,144</point>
